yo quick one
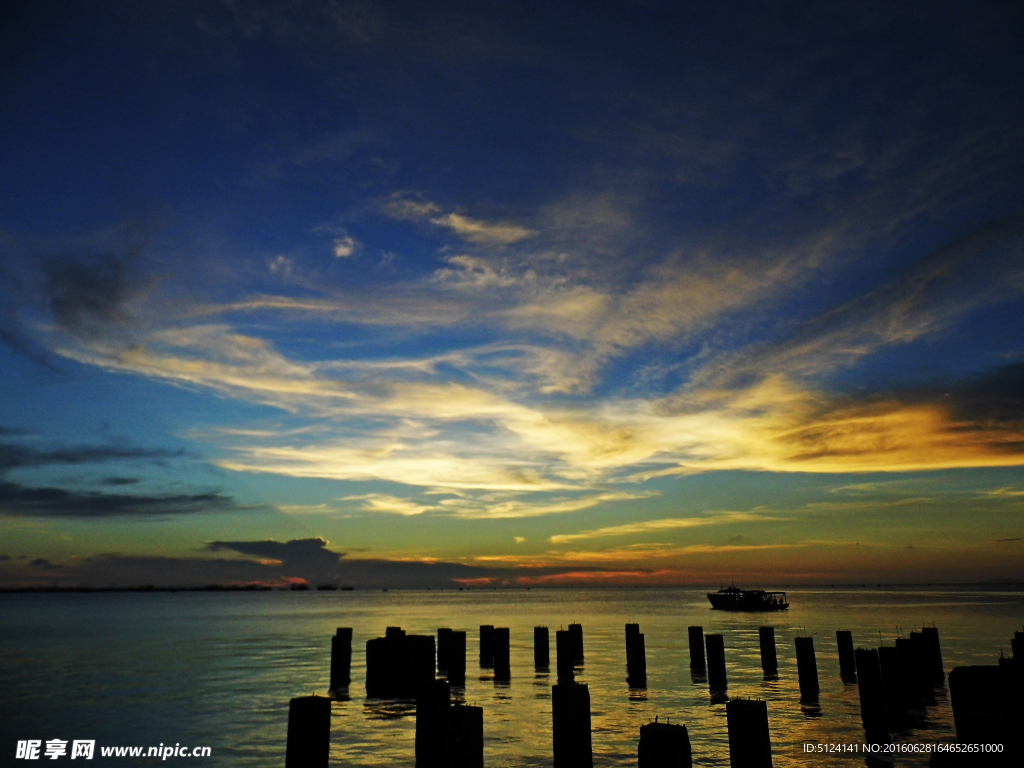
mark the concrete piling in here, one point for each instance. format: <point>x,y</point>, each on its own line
<point>696,637</point>
<point>979,707</point>
<point>466,737</point>
<point>432,720</point>
<point>664,745</point>
<point>872,695</point>
<point>893,684</point>
<point>541,649</point>
<point>457,658</point>
<point>502,664</point>
<point>916,686</point>
<point>399,665</point>
<point>486,646</point>
<point>420,667</point>
<point>576,633</point>
<point>570,717</point>
<point>847,659</point>
<point>309,732</point>
<point>341,658</point>
<point>769,658</point>
<point>444,641</point>
<point>933,654</point>
<point>564,661</point>
<point>717,679</point>
<point>807,669</point>
<point>750,743</point>
<point>636,657</point>
<point>447,735</point>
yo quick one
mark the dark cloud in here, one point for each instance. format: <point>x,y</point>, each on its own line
<point>17,500</point>
<point>86,295</point>
<point>46,565</point>
<point>14,456</point>
<point>22,500</point>
<point>996,397</point>
<point>119,480</point>
<point>271,562</point>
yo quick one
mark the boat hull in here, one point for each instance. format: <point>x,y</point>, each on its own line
<point>748,601</point>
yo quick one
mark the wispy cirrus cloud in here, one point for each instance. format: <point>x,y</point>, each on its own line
<point>663,524</point>
<point>465,227</point>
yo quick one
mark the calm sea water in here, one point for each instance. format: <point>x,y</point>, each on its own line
<point>218,669</point>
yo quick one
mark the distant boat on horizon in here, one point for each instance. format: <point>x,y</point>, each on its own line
<point>732,598</point>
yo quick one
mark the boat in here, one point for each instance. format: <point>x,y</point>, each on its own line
<point>735,599</point>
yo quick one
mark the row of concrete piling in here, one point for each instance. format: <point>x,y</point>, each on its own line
<point>895,683</point>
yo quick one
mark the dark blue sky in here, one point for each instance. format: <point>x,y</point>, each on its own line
<point>655,290</point>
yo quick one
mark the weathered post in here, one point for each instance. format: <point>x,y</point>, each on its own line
<point>570,719</point>
<point>872,696</point>
<point>457,658</point>
<point>847,659</point>
<point>433,705</point>
<point>420,668</point>
<point>309,732</point>
<point>341,658</point>
<point>564,656</point>
<point>502,664</point>
<point>769,659</point>
<point>933,653</point>
<point>486,646</point>
<point>717,679</point>
<point>696,637</point>
<point>636,657</point>
<point>466,737</point>
<point>444,642</point>
<point>541,649</point>
<point>915,682</point>
<point>576,633</point>
<point>807,669</point>
<point>893,683</point>
<point>664,745</point>
<point>750,742</point>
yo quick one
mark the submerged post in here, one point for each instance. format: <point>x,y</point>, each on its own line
<point>576,633</point>
<point>769,659</point>
<point>341,658</point>
<point>541,649</point>
<point>486,646</point>
<point>664,745</point>
<point>457,658</point>
<point>750,742</point>
<point>636,657</point>
<point>717,679</point>
<point>872,695</point>
<point>570,719</point>
<point>847,659</point>
<point>696,637</point>
<point>502,668</point>
<point>309,732</point>
<point>564,656</point>
<point>807,669</point>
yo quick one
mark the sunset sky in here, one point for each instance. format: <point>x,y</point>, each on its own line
<point>399,293</point>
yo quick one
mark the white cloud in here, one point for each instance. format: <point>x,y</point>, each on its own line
<point>344,247</point>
